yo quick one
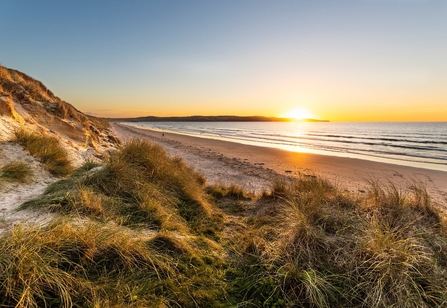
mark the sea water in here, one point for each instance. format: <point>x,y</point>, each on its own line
<point>413,143</point>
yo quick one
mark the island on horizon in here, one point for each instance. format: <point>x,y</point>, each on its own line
<point>221,118</point>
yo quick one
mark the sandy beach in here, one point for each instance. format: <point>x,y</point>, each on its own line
<point>255,168</point>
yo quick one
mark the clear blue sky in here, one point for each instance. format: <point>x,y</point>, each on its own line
<point>379,60</point>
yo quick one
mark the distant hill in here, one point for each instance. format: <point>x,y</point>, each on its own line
<point>224,118</point>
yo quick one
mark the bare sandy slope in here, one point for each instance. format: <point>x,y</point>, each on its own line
<point>254,168</point>
<point>12,195</point>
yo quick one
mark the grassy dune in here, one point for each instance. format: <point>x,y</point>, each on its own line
<point>47,149</point>
<point>143,230</point>
<point>315,246</point>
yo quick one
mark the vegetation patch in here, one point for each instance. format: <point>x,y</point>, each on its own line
<point>16,171</point>
<point>56,195</point>
<point>79,264</point>
<point>144,230</point>
<point>313,246</point>
<point>155,189</point>
<point>47,149</point>
<point>138,186</point>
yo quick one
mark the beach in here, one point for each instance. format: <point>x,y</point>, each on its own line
<point>256,168</point>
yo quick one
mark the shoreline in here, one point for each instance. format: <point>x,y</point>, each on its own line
<point>371,156</point>
<point>255,167</point>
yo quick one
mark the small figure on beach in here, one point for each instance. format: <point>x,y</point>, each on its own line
<point>162,135</point>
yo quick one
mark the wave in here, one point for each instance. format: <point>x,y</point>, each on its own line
<point>391,145</point>
<point>385,139</point>
<point>409,142</point>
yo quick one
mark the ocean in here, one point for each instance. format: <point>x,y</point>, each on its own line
<point>417,144</point>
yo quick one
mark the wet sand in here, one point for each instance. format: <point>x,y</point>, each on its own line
<point>255,168</point>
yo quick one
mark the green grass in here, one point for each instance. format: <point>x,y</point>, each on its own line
<point>47,149</point>
<point>232,191</point>
<point>16,171</point>
<point>139,186</point>
<point>144,230</point>
<point>56,195</point>
<point>69,264</point>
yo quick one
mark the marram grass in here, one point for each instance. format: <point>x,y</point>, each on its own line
<point>47,149</point>
<point>86,263</point>
<point>317,247</point>
<point>145,231</point>
<point>16,171</point>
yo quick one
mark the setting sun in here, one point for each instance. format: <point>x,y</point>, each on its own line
<point>299,114</point>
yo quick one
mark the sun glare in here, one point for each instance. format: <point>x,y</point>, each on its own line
<point>299,114</point>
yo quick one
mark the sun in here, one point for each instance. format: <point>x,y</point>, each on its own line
<point>299,114</point>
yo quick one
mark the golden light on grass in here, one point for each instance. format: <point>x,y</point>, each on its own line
<point>144,228</point>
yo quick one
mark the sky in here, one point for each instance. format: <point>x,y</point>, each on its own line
<point>341,60</point>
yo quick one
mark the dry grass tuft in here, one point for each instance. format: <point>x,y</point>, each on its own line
<point>47,149</point>
<point>311,245</point>
<point>232,191</point>
<point>85,263</point>
<point>156,188</point>
<point>5,74</point>
<point>58,265</point>
<point>395,262</point>
<point>16,171</point>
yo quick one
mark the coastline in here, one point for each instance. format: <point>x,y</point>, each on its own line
<point>255,168</point>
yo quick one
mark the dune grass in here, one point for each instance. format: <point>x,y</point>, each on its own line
<point>34,88</point>
<point>232,191</point>
<point>318,247</point>
<point>85,263</point>
<point>155,189</point>
<point>47,149</point>
<point>139,186</point>
<point>57,193</point>
<point>16,171</point>
<point>144,230</point>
